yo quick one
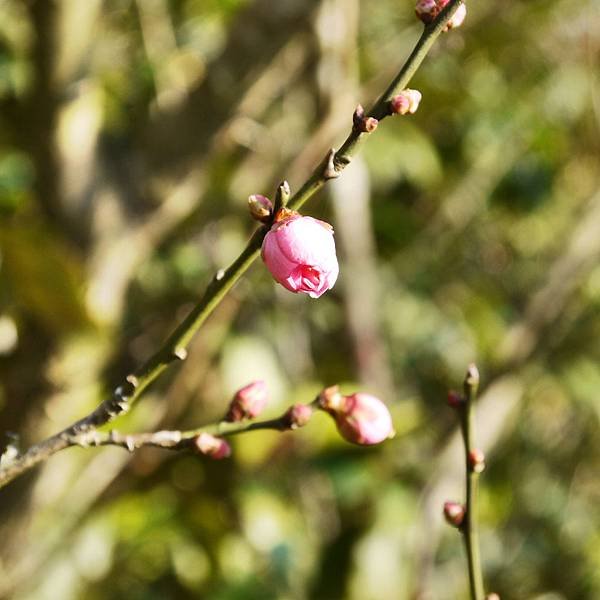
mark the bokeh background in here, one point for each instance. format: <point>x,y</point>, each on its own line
<point>131,134</point>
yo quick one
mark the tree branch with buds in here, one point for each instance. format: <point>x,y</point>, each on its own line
<point>464,517</point>
<point>394,100</point>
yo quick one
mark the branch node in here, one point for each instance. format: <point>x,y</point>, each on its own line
<point>330,172</point>
<point>133,380</point>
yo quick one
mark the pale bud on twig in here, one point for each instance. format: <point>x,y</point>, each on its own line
<point>477,460</point>
<point>260,207</point>
<point>212,446</point>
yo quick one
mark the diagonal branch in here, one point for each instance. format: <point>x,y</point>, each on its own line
<point>175,347</point>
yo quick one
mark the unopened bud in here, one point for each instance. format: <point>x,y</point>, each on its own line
<point>492,596</point>
<point>261,208</point>
<point>427,10</point>
<point>455,400</point>
<point>297,416</point>
<point>212,446</point>
<point>360,418</point>
<point>454,513</point>
<point>456,20</point>
<point>477,460</point>
<point>248,402</point>
<point>330,398</point>
<point>472,377</point>
<point>407,101</point>
<point>363,123</point>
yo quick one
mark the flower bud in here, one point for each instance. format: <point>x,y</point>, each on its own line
<point>248,402</point>
<point>455,400</point>
<point>362,122</point>
<point>454,513</point>
<point>297,416</point>
<point>492,596</point>
<point>407,101</point>
<point>260,207</point>
<point>427,10</point>
<point>477,460</point>
<point>360,418</point>
<point>456,20</point>
<point>300,254</point>
<point>212,446</point>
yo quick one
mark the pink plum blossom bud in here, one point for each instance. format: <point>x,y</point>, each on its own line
<point>456,20</point>
<point>477,460</point>
<point>248,402</point>
<point>212,446</point>
<point>426,10</point>
<point>261,208</point>
<point>360,418</point>
<point>300,254</point>
<point>454,513</point>
<point>407,101</point>
<point>297,416</point>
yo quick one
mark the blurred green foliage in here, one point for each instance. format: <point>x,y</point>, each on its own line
<point>131,133</point>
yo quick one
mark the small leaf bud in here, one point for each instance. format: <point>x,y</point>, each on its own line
<point>261,208</point>
<point>477,460</point>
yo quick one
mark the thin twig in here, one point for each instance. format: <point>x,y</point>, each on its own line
<point>174,439</point>
<point>473,466</point>
<point>175,347</point>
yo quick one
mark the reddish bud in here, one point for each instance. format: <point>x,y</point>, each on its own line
<point>477,460</point>
<point>363,123</point>
<point>248,402</point>
<point>298,415</point>
<point>360,418</point>
<point>455,400</point>
<point>212,446</point>
<point>454,513</point>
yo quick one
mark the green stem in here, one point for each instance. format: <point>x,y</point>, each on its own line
<point>469,526</point>
<point>175,346</point>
